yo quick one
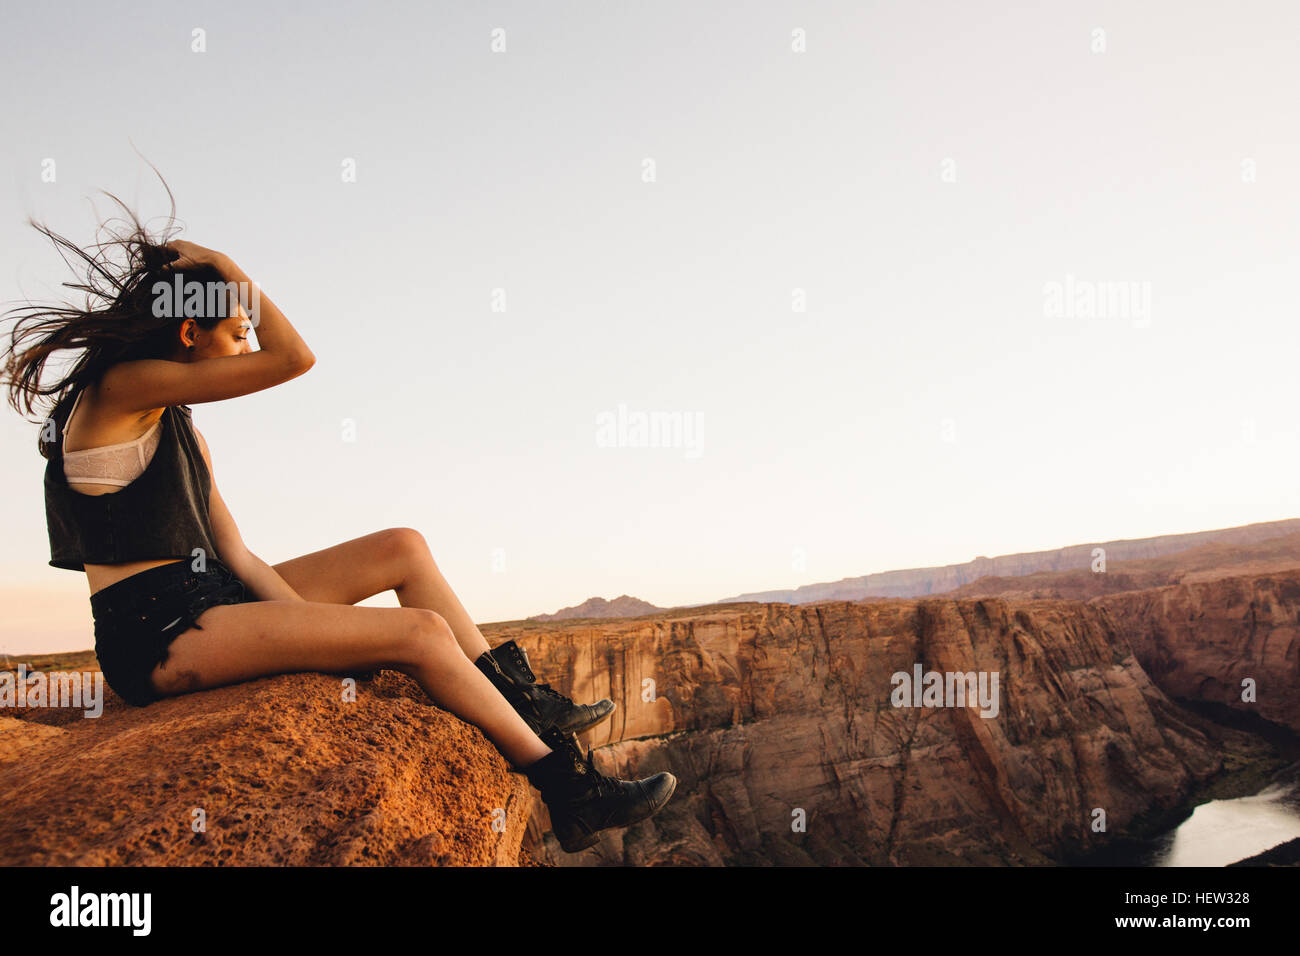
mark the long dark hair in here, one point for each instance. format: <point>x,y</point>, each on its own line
<point>117,322</point>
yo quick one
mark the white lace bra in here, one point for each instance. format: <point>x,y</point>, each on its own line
<point>118,464</point>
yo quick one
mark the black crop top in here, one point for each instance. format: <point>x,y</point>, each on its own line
<point>161,514</point>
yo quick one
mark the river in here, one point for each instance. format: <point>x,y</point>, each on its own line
<point>1225,831</point>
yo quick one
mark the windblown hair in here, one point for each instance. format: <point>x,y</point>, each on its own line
<point>117,321</point>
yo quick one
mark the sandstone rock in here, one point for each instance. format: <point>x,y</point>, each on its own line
<point>285,772</point>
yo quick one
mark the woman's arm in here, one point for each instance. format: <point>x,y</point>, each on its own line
<point>262,580</point>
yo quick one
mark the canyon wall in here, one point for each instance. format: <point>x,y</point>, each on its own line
<point>774,714</point>
<point>1201,640</point>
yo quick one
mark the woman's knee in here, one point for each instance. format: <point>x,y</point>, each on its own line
<point>427,634</point>
<point>406,542</point>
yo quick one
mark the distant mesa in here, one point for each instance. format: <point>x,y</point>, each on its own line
<point>923,582</point>
<point>622,606</point>
<point>1218,558</point>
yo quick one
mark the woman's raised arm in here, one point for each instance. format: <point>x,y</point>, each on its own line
<point>149,383</point>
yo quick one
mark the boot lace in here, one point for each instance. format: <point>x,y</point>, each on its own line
<point>607,786</point>
<point>552,693</point>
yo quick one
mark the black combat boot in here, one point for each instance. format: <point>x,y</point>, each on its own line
<point>582,801</point>
<point>538,704</point>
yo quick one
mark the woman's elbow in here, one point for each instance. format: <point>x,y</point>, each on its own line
<point>301,362</point>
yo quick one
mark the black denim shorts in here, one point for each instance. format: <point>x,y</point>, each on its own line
<point>137,618</point>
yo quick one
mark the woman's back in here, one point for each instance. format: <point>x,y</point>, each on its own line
<point>159,516</point>
<point>95,465</point>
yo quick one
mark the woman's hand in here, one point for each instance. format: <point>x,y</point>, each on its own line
<point>191,255</point>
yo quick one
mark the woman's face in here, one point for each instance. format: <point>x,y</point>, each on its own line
<point>227,337</point>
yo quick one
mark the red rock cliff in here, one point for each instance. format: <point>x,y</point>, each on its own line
<point>1201,640</point>
<point>771,712</point>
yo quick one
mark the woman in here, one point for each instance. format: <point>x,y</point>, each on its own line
<point>179,602</point>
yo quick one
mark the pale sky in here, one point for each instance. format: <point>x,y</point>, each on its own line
<point>824,233</point>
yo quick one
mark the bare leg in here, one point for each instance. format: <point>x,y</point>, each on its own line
<point>239,642</point>
<point>396,559</point>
